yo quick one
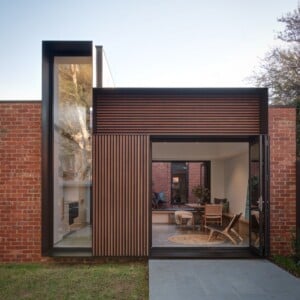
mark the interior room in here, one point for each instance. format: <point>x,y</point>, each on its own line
<point>200,194</point>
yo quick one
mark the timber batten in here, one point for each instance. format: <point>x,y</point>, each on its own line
<point>120,195</point>
<point>201,114</point>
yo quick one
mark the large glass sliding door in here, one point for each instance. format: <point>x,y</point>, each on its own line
<point>219,168</point>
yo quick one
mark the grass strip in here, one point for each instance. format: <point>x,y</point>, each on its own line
<point>49,281</point>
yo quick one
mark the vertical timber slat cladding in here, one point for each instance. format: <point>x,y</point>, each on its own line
<point>127,112</point>
<point>121,192</point>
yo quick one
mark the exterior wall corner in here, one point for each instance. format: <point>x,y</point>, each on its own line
<point>282,131</point>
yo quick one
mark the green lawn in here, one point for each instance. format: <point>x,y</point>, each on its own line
<point>105,281</point>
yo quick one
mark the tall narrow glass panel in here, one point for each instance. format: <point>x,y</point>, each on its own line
<point>179,188</point>
<point>258,189</point>
<point>72,152</point>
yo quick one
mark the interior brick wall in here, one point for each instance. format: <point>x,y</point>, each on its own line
<point>161,179</point>
<point>194,179</point>
<point>282,131</point>
<point>20,181</point>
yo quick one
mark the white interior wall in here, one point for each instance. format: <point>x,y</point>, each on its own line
<point>196,151</point>
<point>229,167</point>
<point>236,173</point>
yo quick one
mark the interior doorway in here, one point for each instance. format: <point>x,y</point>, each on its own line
<point>179,222</point>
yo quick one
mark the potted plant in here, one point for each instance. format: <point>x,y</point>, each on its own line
<point>202,193</point>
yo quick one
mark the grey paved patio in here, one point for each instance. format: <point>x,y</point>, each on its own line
<point>220,280</point>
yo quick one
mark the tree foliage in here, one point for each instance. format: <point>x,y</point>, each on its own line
<point>72,126</point>
<point>280,68</point>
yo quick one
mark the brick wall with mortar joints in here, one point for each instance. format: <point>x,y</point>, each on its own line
<point>20,181</point>
<point>282,131</point>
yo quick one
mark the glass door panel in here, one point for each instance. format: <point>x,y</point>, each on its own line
<point>258,190</point>
<point>179,190</point>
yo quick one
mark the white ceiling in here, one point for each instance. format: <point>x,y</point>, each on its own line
<point>197,151</point>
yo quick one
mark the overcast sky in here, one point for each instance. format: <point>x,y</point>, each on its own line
<point>148,43</point>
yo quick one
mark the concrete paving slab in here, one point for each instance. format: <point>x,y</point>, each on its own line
<point>220,280</point>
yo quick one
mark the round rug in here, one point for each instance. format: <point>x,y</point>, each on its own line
<point>194,239</point>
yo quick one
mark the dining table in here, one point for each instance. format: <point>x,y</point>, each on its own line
<point>198,210</point>
<point>196,206</point>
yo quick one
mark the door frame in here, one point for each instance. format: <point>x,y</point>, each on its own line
<point>211,252</point>
<point>263,207</point>
<point>50,50</point>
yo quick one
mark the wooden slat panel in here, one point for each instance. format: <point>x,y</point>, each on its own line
<point>177,114</point>
<point>121,195</point>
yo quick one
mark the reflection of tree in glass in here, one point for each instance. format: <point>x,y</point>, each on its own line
<point>254,182</point>
<point>75,98</point>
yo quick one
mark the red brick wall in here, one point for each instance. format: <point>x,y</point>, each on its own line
<point>194,179</point>
<point>282,130</point>
<point>161,179</point>
<point>20,181</point>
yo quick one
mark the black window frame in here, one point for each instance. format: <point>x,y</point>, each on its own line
<point>208,177</point>
<point>51,49</point>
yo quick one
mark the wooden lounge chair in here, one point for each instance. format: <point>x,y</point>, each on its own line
<point>227,231</point>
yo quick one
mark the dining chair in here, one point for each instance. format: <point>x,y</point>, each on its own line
<point>212,214</point>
